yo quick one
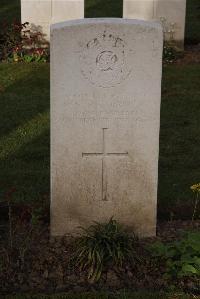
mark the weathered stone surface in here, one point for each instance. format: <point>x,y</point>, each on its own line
<point>171,13</point>
<point>42,13</point>
<point>105,111</point>
<point>139,9</point>
<point>38,14</point>
<point>67,10</point>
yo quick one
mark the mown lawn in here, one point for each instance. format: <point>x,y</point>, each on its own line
<point>103,8</point>
<point>24,114</point>
<point>136,295</point>
<point>24,134</point>
<point>192,29</point>
<point>24,130</point>
<point>179,161</point>
<point>10,10</point>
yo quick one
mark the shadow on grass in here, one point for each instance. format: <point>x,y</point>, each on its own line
<point>24,135</point>
<point>24,92</point>
<point>24,130</point>
<point>27,169</point>
<point>103,8</point>
<point>179,161</point>
<point>192,27</point>
<point>10,10</point>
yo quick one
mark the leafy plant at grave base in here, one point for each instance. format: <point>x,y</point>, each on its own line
<point>19,44</point>
<point>101,246</point>
<point>170,54</point>
<point>170,51</point>
<point>196,190</point>
<point>181,258</point>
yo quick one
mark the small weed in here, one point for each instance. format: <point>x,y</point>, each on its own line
<point>182,258</point>
<point>170,54</point>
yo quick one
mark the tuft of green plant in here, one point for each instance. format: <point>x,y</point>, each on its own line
<point>170,54</point>
<point>182,258</point>
<point>102,246</point>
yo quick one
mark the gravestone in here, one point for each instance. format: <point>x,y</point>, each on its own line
<point>63,10</point>
<point>171,13</point>
<point>105,111</point>
<point>42,13</point>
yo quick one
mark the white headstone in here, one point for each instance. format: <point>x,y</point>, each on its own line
<point>42,13</point>
<point>171,13</point>
<point>38,14</point>
<point>63,10</point>
<point>105,119</point>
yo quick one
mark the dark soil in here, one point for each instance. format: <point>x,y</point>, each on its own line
<point>33,262</point>
<point>191,55</point>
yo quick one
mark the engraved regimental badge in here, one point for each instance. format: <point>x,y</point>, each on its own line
<point>103,60</point>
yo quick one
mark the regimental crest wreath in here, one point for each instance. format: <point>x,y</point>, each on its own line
<point>103,60</point>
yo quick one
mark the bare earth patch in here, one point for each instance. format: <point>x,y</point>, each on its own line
<point>38,264</point>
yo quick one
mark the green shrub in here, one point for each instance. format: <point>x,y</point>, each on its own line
<point>19,44</point>
<point>103,245</point>
<point>182,258</point>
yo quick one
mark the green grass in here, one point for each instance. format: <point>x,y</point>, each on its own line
<point>136,295</point>
<point>10,10</point>
<point>103,8</point>
<point>24,134</point>
<point>179,161</point>
<point>24,130</point>
<point>192,31</point>
<point>24,114</point>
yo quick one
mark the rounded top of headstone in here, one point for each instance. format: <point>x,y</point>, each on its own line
<point>109,21</point>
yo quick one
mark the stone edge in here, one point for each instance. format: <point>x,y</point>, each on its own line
<point>111,21</point>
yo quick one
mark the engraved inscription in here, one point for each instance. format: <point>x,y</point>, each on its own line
<point>103,60</point>
<point>107,109</point>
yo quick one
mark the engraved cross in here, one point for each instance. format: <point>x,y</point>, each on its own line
<point>104,154</point>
